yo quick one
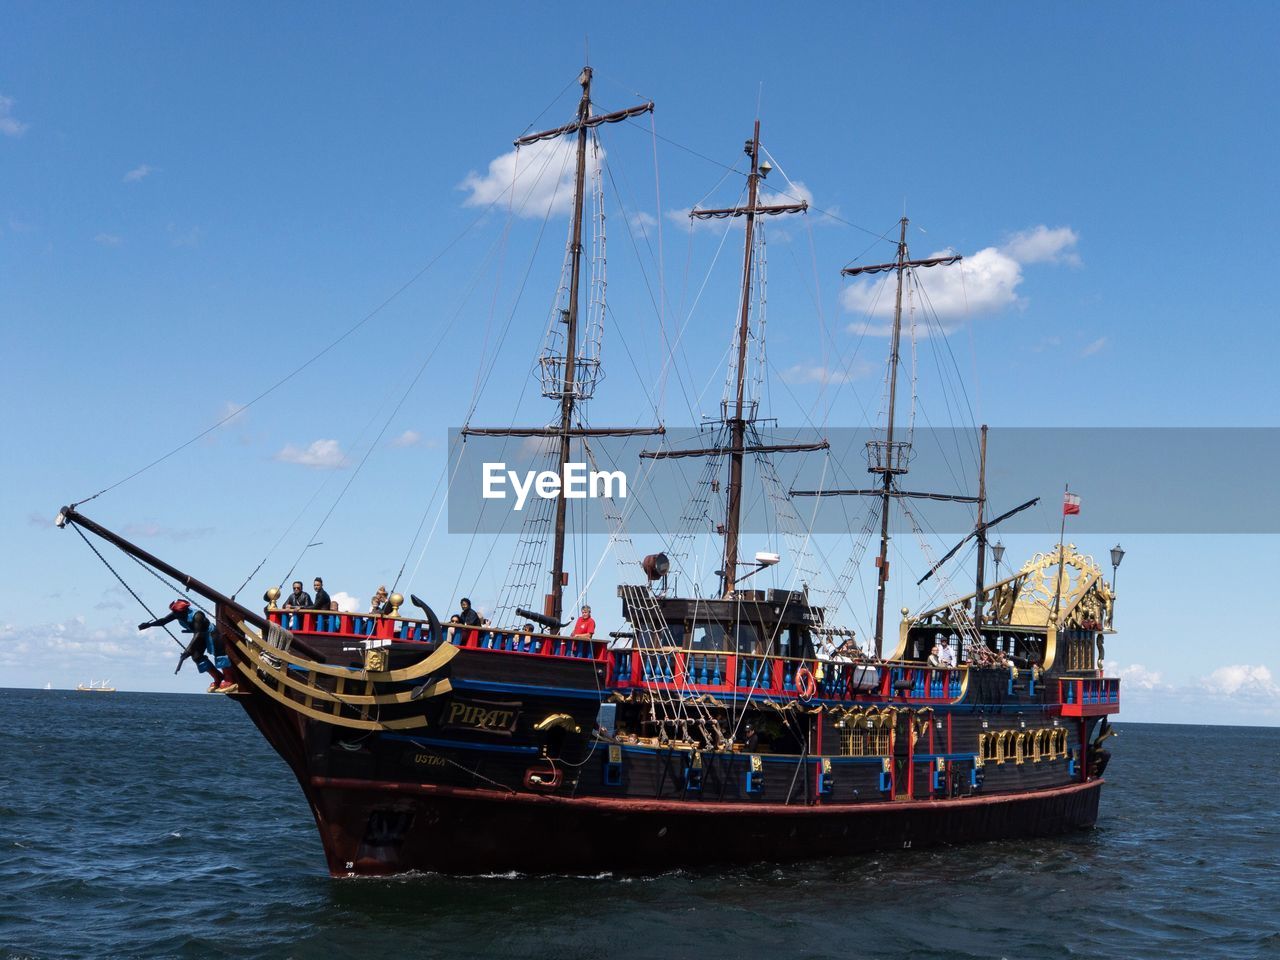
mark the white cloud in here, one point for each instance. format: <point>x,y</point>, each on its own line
<point>535,180</point>
<point>1242,680</point>
<point>1042,244</point>
<point>73,644</point>
<point>793,192</point>
<point>820,374</point>
<point>140,172</point>
<point>642,221</point>
<point>109,239</point>
<point>1137,676</point>
<point>410,438</point>
<point>1094,347</point>
<point>320,455</point>
<point>984,282</point>
<point>10,126</point>
<point>1232,694</point>
<point>680,216</point>
<point>346,602</point>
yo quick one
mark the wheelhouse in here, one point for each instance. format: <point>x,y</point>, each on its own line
<point>754,622</point>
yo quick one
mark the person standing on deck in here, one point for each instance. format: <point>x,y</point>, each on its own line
<point>584,628</point>
<point>298,600</point>
<point>467,615</point>
<point>322,602</point>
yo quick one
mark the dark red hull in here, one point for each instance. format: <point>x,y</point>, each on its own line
<point>453,793</point>
<point>461,830</point>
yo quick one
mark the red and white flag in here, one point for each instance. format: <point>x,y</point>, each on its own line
<point>1070,504</point>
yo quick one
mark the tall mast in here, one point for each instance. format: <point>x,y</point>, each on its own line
<point>737,416</point>
<point>981,527</point>
<point>737,424</point>
<point>887,464</point>
<point>570,355</point>
<point>887,457</point>
<point>568,389</point>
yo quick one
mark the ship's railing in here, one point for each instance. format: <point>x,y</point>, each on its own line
<point>726,673</point>
<point>1089,696</point>
<point>358,626</point>
<point>663,668</point>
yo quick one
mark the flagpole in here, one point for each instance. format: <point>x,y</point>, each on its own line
<point>1062,533</point>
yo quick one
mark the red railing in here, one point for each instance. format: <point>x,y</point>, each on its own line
<point>1089,696</point>
<point>715,672</point>
<point>357,626</point>
<point>711,672</point>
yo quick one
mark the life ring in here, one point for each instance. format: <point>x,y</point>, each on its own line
<point>806,685</point>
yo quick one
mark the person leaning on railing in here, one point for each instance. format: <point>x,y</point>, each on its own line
<point>322,602</point>
<point>298,600</point>
<point>584,628</point>
<point>379,605</point>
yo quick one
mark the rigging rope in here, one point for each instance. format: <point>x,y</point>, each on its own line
<point>316,356</point>
<point>132,593</point>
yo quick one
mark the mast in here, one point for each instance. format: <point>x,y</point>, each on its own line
<point>568,389</point>
<point>886,465</point>
<point>736,416</point>
<point>979,585</point>
<point>889,457</point>
<point>556,600</point>
<point>737,424</point>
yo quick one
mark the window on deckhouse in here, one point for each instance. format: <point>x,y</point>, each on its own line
<point>796,642</point>
<point>673,636</point>
<point>748,638</point>
<point>708,636</point>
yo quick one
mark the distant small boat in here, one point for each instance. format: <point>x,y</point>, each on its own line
<point>49,685</point>
<point>93,686</point>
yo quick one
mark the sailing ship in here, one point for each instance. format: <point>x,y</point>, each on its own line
<point>745,725</point>
<point>93,686</point>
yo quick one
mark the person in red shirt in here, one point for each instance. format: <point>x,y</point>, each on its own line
<point>584,626</point>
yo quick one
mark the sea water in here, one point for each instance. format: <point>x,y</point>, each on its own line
<point>162,825</point>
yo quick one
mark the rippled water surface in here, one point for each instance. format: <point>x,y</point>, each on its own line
<point>150,825</point>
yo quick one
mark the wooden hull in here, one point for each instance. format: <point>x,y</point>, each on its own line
<point>455,795</point>
<point>460,830</point>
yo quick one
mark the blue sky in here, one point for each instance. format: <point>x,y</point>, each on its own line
<point>193,201</point>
